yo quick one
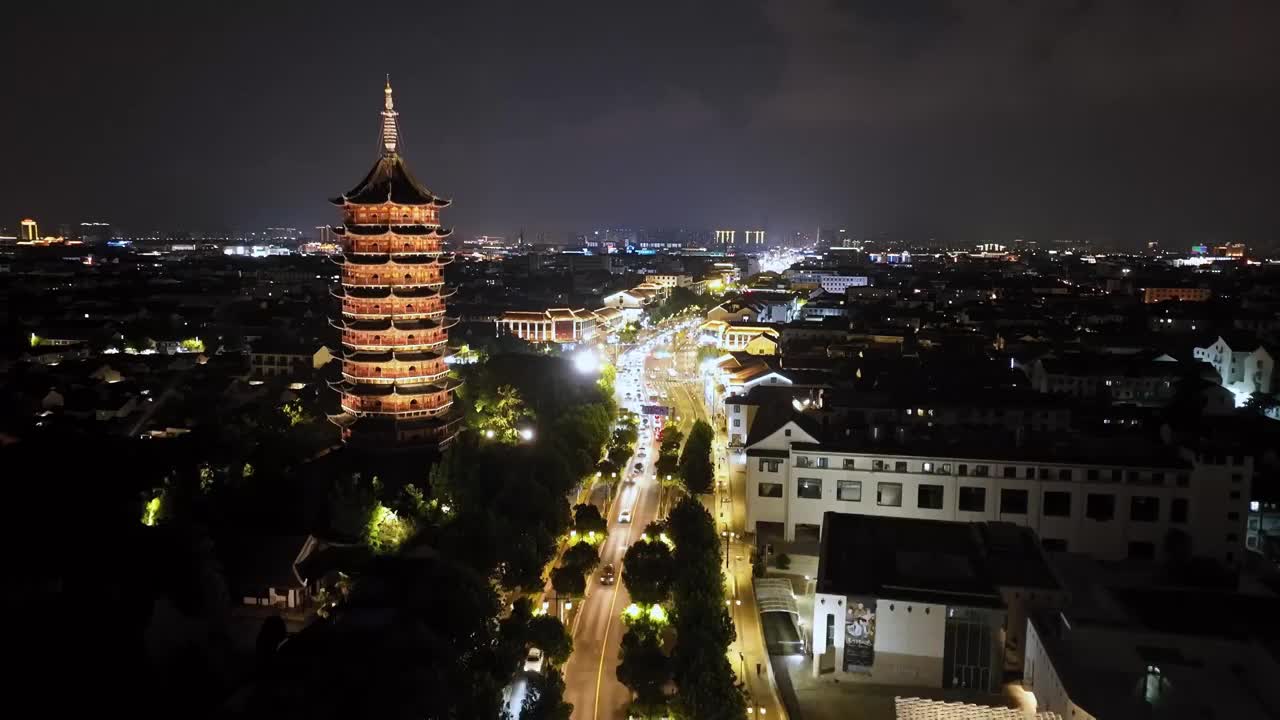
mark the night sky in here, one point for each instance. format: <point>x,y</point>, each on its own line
<point>1115,120</point>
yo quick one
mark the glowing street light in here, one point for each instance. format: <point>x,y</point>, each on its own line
<point>526,434</point>
<point>586,362</point>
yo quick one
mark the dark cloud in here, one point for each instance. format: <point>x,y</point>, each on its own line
<point>926,117</point>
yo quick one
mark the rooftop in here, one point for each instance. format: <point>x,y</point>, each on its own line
<point>932,561</point>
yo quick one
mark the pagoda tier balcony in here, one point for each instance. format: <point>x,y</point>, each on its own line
<point>398,406</point>
<point>428,245</point>
<point>382,292</point>
<point>420,399</point>
<point>391,213</point>
<point>391,340</point>
<point>397,259</point>
<point>391,275</point>
<point>405,308</point>
<point>395,372</point>
<point>390,432</point>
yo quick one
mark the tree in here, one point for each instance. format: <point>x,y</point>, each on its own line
<point>545,698</point>
<point>568,581</point>
<point>648,570</point>
<point>548,633</point>
<point>1260,403</point>
<point>587,518</point>
<point>498,416</point>
<point>644,668</point>
<point>582,556</point>
<point>351,505</point>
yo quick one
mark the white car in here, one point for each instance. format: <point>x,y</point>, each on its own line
<point>624,516</point>
<point>533,661</point>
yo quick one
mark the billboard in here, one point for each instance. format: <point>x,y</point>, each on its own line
<point>662,410</point>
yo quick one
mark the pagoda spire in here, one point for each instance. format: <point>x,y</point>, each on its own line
<point>390,129</point>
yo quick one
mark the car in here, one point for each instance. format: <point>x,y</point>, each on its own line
<point>638,467</point>
<point>607,575</point>
<point>533,661</point>
<point>625,516</point>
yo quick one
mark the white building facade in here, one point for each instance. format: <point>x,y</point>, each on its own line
<point>1110,511</point>
<point>1244,369</point>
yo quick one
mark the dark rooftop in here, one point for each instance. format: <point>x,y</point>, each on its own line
<point>927,560</point>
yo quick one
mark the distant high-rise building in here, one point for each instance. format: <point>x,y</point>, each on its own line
<point>726,237</point>
<point>95,233</point>
<point>324,235</point>
<point>395,389</point>
<point>754,238</point>
<point>28,230</point>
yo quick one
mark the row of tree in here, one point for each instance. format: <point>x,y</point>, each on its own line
<point>695,467</point>
<point>678,564</point>
<point>700,665</point>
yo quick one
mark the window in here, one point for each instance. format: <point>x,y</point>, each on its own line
<point>1178,510</point>
<point>770,490</point>
<point>822,462</point>
<point>787,432</point>
<point>1044,473</point>
<point>929,497</point>
<point>1029,473</point>
<point>804,461</point>
<point>1233,516</point>
<point>1142,550</point>
<point>849,490</point>
<point>1144,509</point>
<point>1092,475</point>
<point>944,469</point>
<point>1157,478</point>
<point>1013,502</point>
<point>928,467</point>
<point>849,464</point>
<point>769,465</point>
<point>981,470</point>
<point>1236,477</point>
<point>1117,475</point>
<point>962,470</point>
<point>900,466</point>
<point>1057,504</point>
<point>889,494</point>
<point>737,422</point>
<point>1064,474</point>
<point>973,499</point>
<point>1134,476</point>
<point>1010,471</point>
<point>809,488</point>
<point>877,465</point>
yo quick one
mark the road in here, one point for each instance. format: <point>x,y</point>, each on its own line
<point>591,683</point>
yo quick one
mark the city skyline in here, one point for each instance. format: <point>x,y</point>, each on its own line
<point>1113,124</point>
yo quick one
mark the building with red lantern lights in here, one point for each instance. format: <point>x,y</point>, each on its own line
<point>395,390</point>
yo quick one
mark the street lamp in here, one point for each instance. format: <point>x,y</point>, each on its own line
<point>526,434</point>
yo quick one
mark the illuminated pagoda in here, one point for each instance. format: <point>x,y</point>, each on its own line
<point>395,390</point>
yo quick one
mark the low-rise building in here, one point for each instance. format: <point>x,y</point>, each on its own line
<point>1184,294</point>
<point>1244,365</point>
<point>901,601</point>
<point>1156,654</point>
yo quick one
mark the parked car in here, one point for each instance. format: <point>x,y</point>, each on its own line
<point>533,661</point>
<point>607,575</point>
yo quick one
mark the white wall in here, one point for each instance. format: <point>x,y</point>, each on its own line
<point>910,628</point>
